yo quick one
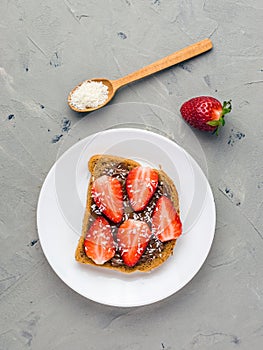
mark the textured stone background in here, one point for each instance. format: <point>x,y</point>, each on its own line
<point>46,47</point>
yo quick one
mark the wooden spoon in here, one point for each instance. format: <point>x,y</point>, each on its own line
<point>168,61</point>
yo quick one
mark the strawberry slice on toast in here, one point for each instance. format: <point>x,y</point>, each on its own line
<point>99,243</point>
<point>107,193</point>
<point>166,223</point>
<point>133,237</point>
<point>141,184</point>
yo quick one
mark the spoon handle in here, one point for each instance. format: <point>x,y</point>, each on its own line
<point>168,61</point>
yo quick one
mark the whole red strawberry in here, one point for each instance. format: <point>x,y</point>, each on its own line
<point>205,113</point>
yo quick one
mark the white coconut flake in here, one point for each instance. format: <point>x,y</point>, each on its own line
<point>89,94</point>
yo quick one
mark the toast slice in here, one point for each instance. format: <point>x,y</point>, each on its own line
<point>156,252</point>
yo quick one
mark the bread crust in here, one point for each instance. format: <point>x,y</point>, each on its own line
<point>95,166</point>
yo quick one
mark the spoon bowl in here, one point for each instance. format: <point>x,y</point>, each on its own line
<point>168,61</point>
<point>111,93</point>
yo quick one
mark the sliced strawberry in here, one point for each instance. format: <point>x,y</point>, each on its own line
<point>107,194</point>
<point>133,237</point>
<point>99,244</point>
<point>141,184</point>
<point>166,223</point>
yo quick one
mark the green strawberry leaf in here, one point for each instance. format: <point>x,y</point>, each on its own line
<point>227,107</point>
<point>215,131</point>
<point>213,123</point>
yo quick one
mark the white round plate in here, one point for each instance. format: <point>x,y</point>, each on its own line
<point>61,208</point>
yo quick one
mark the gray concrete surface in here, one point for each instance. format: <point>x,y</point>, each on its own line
<point>46,47</point>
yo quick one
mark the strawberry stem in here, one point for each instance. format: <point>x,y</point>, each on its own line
<point>226,108</point>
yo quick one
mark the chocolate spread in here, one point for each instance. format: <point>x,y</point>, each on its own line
<point>155,247</point>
